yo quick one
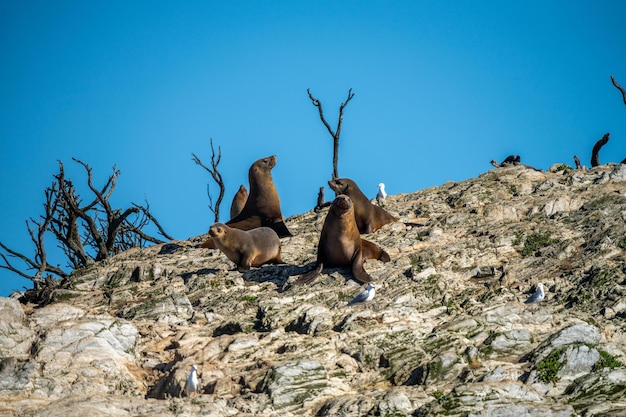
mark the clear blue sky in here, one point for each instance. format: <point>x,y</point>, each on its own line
<point>442,87</point>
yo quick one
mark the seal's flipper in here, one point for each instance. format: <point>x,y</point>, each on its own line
<point>308,277</point>
<point>373,251</point>
<point>247,223</point>
<point>358,271</point>
<point>280,228</point>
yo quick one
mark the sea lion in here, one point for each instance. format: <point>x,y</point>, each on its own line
<point>262,207</point>
<point>247,248</point>
<point>239,201</point>
<point>369,217</point>
<point>340,244</point>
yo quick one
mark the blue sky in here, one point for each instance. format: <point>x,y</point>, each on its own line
<point>441,88</point>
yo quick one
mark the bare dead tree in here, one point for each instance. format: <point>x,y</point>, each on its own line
<point>85,232</point>
<point>596,149</point>
<point>619,87</point>
<point>217,177</point>
<point>337,131</point>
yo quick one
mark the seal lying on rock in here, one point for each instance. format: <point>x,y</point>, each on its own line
<point>369,217</point>
<point>262,207</point>
<point>341,245</point>
<point>247,248</point>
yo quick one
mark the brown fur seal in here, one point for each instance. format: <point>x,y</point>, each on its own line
<point>239,201</point>
<point>369,217</point>
<point>247,248</point>
<point>262,207</point>
<point>341,245</point>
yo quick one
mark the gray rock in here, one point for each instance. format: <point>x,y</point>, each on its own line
<point>291,384</point>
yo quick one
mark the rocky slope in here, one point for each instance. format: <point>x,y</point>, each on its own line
<point>447,333</point>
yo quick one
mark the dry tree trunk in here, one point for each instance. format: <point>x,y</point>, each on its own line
<point>596,149</point>
<point>320,201</point>
<point>577,162</point>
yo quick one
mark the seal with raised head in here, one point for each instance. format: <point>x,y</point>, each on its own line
<point>262,207</point>
<point>239,201</point>
<point>247,248</point>
<point>369,217</point>
<point>340,244</point>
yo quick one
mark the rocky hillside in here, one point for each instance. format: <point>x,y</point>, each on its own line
<point>448,332</point>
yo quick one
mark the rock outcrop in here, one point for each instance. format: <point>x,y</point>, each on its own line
<point>447,333</point>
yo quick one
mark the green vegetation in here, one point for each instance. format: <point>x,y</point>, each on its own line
<point>534,242</point>
<point>550,367</point>
<point>250,298</point>
<point>472,334</point>
<point>607,360</point>
<point>437,394</point>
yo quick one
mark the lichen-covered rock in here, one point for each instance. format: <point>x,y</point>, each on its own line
<point>493,399</point>
<point>600,394</point>
<point>291,384</point>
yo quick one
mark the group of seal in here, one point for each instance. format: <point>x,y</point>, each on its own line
<point>262,206</point>
<point>369,217</point>
<point>251,237</point>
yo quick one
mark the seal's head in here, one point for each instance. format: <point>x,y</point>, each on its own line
<point>341,204</point>
<point>217,230</point>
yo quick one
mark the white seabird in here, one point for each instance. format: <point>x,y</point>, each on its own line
<point>191,385</point>
<point>537,296</point>
<point>381,192</point>
<point>364,296</point>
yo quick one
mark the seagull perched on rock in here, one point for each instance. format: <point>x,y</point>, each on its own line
<point>381,192</point>
<point>537,296</point>
<point>364,296</point>
<point>191,385</point>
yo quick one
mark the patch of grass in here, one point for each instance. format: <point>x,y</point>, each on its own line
<point>607,360</point>
<point>534,242</point>
<point>550,367</point>
<point>472,334</point>
<point>250,298</point>
<point>437,394</point>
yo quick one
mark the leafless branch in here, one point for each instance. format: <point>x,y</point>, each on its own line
<point>337,131</point>
<point>102,229</point>
<point>619,87</point>
<point>146,212</point>
<point>217,177</point>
